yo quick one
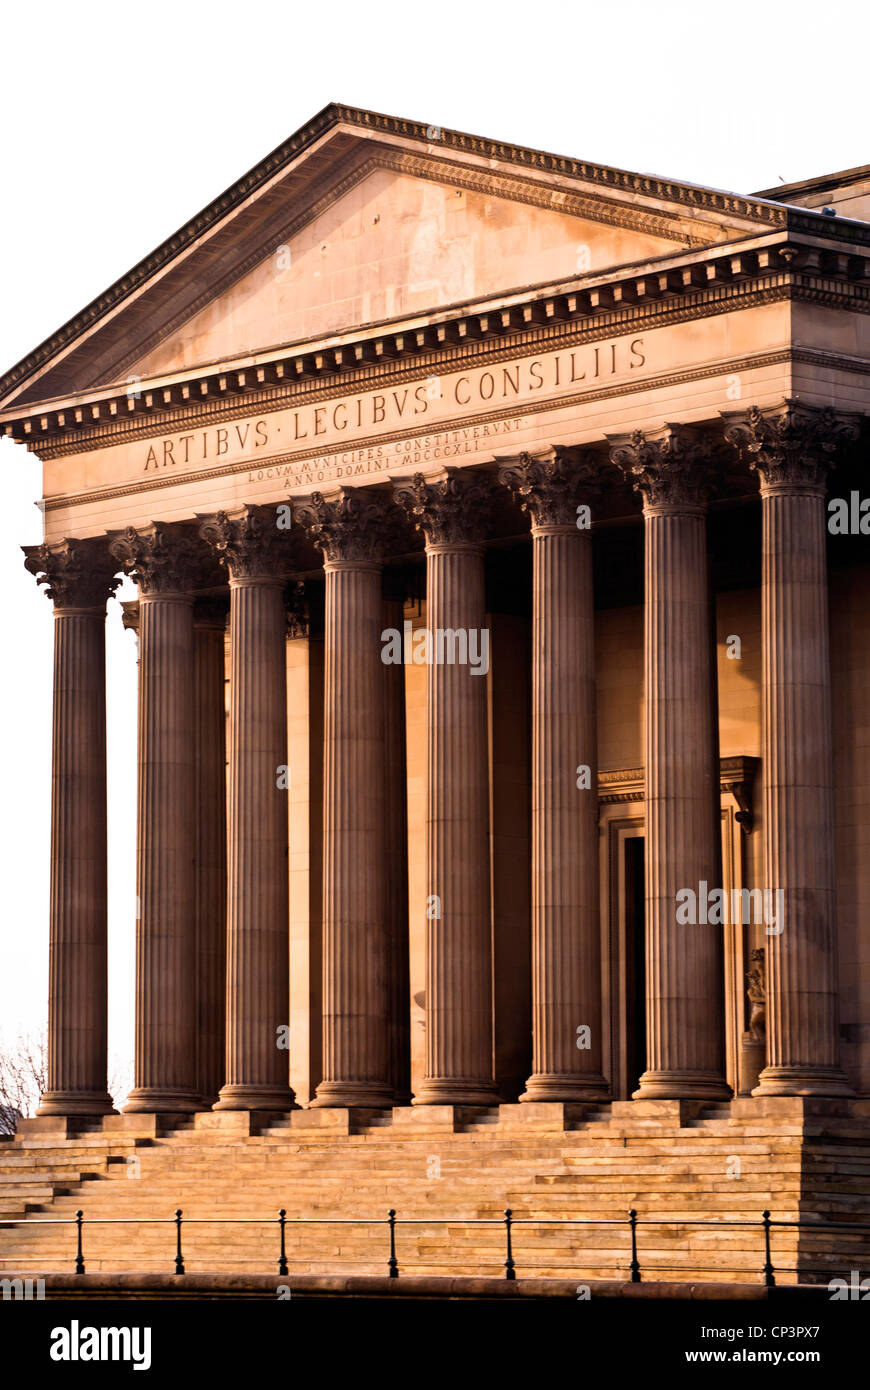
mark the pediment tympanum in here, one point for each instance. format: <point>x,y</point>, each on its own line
<point>392,246</point>
<point>361,219</point>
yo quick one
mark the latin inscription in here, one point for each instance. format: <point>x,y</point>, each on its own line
<point>427,403</point>
<point>416,451</point>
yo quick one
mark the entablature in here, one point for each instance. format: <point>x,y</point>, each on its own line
<point>666,290</point>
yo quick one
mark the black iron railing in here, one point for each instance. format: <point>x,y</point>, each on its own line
<point>632,1223</point>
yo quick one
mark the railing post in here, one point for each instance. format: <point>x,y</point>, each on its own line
<point>769,1280</point>
<point>509,1267</point>
<point>80,1259</point>
<point>282,1259</point>
<point>179,1262</point>
<point>635,1263</point>
<point>392,1263</point>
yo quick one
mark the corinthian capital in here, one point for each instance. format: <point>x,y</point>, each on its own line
<point>76,573</point>
<point>450,508</point>
<point>550,486</point>
<point>792,446</point>
<point>249,544</point>
<point>670,468</point>
<point>353,524</point>
<point>163,558</point>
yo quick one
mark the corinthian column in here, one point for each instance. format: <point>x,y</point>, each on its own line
<point>685,1003</point>
<point>459,1065</point>
<point>257,557</point>
<point>163,561</point>
<point>566,931</point>
<point>209,629</point>
<point>349,528</point>
<point>791,449</point>
<point>79,580</point>
<point>396,835</point>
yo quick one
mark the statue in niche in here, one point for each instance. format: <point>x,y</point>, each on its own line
<point>755,988</point>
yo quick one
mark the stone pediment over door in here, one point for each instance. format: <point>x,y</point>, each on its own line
<point>363,219</point>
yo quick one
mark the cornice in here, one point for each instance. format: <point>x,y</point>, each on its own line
<point>646,185</point>
<point>593,208</point>
<point>736,775</point>
<point>231,198</point>
<point>636,302</point>
<point>279,231</point>
<point>692,198</point>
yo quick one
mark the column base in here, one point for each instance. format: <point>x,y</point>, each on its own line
<point>441,1091</point>
<point>682,1085</point>
<point>75,1103</point>
<point>151,1100</point>
<point>353,1095</point>
<point>244,1096</point>
<point>803,1081</point>
<point>564,1089</point>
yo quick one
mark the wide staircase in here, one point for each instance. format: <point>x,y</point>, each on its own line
<point>450,1176</point>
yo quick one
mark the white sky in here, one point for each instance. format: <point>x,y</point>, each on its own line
<point>121,121</point>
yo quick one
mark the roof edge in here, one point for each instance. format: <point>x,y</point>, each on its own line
<point>692,195</point>
<point>821,183</point>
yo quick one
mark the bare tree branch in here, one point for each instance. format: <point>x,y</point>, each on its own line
<point>23,1078</point>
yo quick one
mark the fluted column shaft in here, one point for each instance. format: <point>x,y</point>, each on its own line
<point>450,509</point>
<point>791,448</point>
<point>77,999</point>
<point>209,624</point>
<point>168,564</point>
<point>684,966</point>
<point>257,885</point>
<point>458,936</point>
<point>396,888</point>
<point>566,932</point>
<point>355,997</point>
<point>802,1013</point>
<point>684,977</point>
<point>79,577</point>
<point>350,526</point>
<point>165,1064</point>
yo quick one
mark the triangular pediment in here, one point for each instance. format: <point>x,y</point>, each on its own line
<point>362,219</point>
<point>394,245</point>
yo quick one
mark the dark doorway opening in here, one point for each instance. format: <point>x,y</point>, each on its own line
<point>635,947</point>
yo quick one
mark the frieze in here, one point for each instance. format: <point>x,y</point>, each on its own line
<point>108,423</point>
<point>480,420</point>
<point>436,396</point>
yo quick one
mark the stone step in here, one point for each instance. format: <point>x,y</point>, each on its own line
<point>489,1159</point>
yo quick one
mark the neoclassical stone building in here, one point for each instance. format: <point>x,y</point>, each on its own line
<point>503,666</point>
